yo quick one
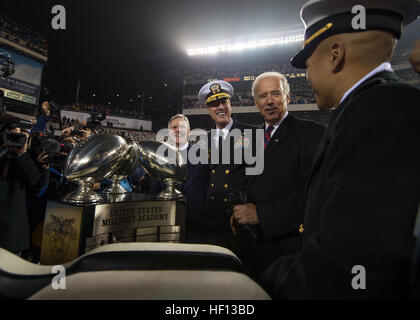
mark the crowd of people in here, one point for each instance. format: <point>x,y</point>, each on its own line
<point>118,111</point>
<point>17,33</point>
<point>302,92</point>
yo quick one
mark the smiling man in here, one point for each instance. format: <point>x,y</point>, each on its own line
<point>229,177</point>
<point>277,194</point>
<point>363,192</point>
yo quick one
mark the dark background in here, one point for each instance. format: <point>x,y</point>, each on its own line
<point>131,47</point>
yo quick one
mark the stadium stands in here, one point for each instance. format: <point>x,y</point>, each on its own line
<point>241,70</point>
<point>17,33</point>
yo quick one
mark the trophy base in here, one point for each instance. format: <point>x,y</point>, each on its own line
<point>115,188</point>
<point>84,194</point>
<point>71,230</point>
<point>78,197</point>
<point>170,195</point>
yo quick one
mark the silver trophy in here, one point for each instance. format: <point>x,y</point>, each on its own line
<point>93,160</point>
<point>163,162</point>
<point>129,163</point>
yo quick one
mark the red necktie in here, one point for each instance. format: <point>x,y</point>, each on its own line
<point>267,135</point>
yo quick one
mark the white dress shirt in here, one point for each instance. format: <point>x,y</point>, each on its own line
<point>276,125</point>
<point>222,132</point>
<point>382,67</point>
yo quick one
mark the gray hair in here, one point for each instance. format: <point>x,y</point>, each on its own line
<point>179,116</point>
<point>284,85</point>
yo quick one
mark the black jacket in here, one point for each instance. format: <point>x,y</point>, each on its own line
<point>225,178</point>
<point>14,225</point>
<point>362,199</point>
<point>279,191</point>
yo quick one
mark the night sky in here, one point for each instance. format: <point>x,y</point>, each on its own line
<point>120,46</point>
<point>124,46</point>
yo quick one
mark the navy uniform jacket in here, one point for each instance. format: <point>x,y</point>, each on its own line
<point>362,199</point>
<point>224,179</point>
<point>279,192</point>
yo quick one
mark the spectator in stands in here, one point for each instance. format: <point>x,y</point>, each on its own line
<point>363,192</point>
<point>276,205</point>
<point>43,119</point>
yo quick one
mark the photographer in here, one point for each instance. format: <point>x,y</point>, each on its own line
<point>18,172</point>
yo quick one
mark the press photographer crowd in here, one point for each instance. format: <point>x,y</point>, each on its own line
<point>307,184</point>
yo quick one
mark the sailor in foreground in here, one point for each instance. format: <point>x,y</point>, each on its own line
<point>363,192</point>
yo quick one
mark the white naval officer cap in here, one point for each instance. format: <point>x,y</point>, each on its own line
<point>325,18</point>
<point>215,90</point>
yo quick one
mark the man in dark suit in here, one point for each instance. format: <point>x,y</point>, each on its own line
<point>196,185</point>
<point>227,176</point>
<point>363,192</point>
<point>277,194</point>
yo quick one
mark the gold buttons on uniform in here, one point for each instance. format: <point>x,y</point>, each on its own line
<point>226,200</point>
<point>301,229</point>
<point>213,171</point>
<point>227,171</point>
<point>226,186</point>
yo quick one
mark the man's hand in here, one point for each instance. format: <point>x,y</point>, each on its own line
<point>42,160</point>
<point>244,214</point>
<point>85,134</point>
<point>415,57</point>
<point>66,132</point>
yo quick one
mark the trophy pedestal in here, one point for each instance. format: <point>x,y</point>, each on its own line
<point>115,187</point>
<point>170,193</point>
<point>84,193</point>
<point>71,230</point>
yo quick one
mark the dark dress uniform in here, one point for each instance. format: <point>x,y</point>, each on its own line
<point>278,192</point>
<point>224,179</point>
<point>363,192</point>
<point>362,199</point>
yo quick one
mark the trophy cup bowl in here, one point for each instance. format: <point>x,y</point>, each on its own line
<point>168,166</point>
<point>129,163</point>
<point>93,160</point>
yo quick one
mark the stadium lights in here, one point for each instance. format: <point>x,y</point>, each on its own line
<point>240,46</point>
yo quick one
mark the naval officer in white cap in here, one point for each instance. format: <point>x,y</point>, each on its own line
<point>363,193</point>
<point>227,180</point>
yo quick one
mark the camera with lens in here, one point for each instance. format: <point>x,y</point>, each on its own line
<point>12,139</point>
<point>56,151</point>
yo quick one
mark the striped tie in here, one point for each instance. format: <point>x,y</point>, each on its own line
<point>267,136</point>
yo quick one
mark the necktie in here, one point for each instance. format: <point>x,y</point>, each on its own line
<point>267,135</point>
